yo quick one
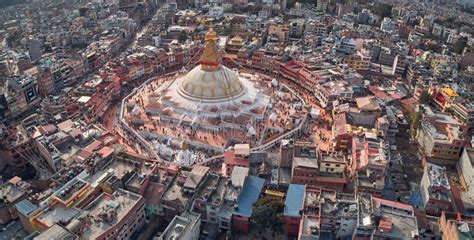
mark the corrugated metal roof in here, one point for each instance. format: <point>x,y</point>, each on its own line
<point>25,207</point>
<point>294,200</point>
<point>249,195</point>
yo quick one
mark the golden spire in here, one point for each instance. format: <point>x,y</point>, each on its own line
<point>210,59</point>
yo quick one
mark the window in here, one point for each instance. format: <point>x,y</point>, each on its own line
<point>328,164</point>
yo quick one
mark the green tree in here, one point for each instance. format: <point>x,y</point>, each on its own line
<point>425,97</point>
<point>182,37</point>
<point>269,214</point>
<point>382,9</point>
<point>8,3</point>
<point>431,46</point>
<point>460,45</point>
<point>415,122</point>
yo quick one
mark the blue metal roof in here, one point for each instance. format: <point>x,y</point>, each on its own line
<point>249,195</point>
<point>294,200</point>
<point>25,207</point>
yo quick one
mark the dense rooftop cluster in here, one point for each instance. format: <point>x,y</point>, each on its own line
<point>176,119</point>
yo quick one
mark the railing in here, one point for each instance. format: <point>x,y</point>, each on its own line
<point>264,147</point>
<point>122,123</point>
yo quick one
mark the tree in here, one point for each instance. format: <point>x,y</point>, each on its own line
<point>182,37</point>
<point>382,9</point>
<point>8,3</point>
<point>269,214</point>
<point>460,45</point>
<point>415,122</point>
<point>431,46</point>
<point>425,97</point>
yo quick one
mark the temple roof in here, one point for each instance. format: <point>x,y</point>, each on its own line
<point>211,81</point>
<point>210,59</point>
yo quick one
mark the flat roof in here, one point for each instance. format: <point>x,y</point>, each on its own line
<point>84,99</point>
<point>25,207</point>
<point>294,200</point>
<point>57,214</point>
<point>249,195</point>
<point>121,202</point>
<point>196,176</point>
<point>238,176</point>
<point>56,232</point>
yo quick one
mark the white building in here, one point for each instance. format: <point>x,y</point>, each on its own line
<point>321,5</point>
<point>185,227</point>
<point>216,12</point>
<point>387,25</point>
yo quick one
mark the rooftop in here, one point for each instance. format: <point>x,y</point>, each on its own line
<point>108,210</point>
<point>56,232</point>
<point>179,225</point>
<point>57,214</point>
<point>10,193</point>
<point>294,200</point>
<point>249,195</point>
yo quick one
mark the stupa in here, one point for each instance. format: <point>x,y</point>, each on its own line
<point>212,96</point>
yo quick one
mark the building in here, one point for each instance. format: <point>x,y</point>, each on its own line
<point>358,61</point>
<point>279,32</point>
<point>465,169</point>
<point>464,112</point>
<point>184,227</point>
<point>315,27</point>
<point>455,229</point>
<point>304,169</point>
<point>387,25</point>
<point>55,232</point>
<point>34,49</point>
<point>119,215</point>
<point>248,196</point>
<point>369,163</point>
<point>441,137</point>
<point>294,205</point>
<point>296,28</point>
<point>328,92</point>
<point>11,194</point>
<point>235,157</point>
<point>333,171</point>
<point>383,219</point>
<point>435,190</point>
<point>26,210</point>
<point>322,5</point>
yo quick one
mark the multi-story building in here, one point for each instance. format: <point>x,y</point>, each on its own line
<point>296,28</point>
<point>435,190</point>
<point>294,205</point>
<point>464,112</point>
<point>304,168</point>
<point>441,137</point>
<point>381,219</point>
<point>11,193</point>
<point>321,5</point>
<point>184,227</point>
<point>370,163</point>
<point>120,214</point>
<point>314,27</point>
<point>332,172</point>
<point>248,196</point>
<point>235,157</point>
<point>358,61</point>
<point>387,25</point>
<point>301,73</point>
<point>465,169</point>
<point>280,32</point>
<point>329,91</point>
<point>21,93</point>
<point>455,229</point>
